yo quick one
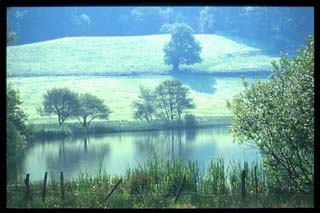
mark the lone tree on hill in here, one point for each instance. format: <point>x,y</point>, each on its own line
<point>182,48</point>
<point>91,107</point>
<point>60,101</point>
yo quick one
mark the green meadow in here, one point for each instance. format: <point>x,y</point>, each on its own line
<point>119,92</point>
<point>113,68</point>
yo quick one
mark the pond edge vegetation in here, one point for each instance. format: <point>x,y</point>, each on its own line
<point>160,184</point>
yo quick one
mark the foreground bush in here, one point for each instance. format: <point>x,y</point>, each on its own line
<point>278,117</point>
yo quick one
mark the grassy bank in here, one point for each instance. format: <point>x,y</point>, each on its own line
<point>47,131</point>
<point>127,55</point>
<point>155,185</point>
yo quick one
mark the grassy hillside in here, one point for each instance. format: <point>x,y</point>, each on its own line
<point>127,55</point>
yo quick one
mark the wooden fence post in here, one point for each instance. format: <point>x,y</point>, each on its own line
<point>44,186</point>
<point>256,180</point>
<point>62,186</point>
<point>243,184</point>
<point>27,190</point>
<point>179,189</point>
<point>114,188</point>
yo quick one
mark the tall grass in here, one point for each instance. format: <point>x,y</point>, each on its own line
<point>154,185</point>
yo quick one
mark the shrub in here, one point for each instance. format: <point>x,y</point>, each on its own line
<point>139,181</point>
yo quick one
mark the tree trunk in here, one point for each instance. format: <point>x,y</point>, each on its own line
<point>85,125</point>
<point>147,119</point>
<point>85,122</point>
<point>175,67</point>
<point>60,121</point>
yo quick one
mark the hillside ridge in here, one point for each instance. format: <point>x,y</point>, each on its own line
<point>125,55</point>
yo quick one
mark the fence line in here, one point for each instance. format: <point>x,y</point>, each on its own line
<point>28,195</point>
<point>44,186</point>
<point>114,188</point>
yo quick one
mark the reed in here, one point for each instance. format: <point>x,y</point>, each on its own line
<point>155,184</point>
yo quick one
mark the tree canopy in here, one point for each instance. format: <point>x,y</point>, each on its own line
<point>91,107</point>
<point>278,116</point>
<point>15,115</point>
<point>167,102</point>
<point>144,108</point>
<point>17,132</point>
<point>182,48</point>
<point>61,102</point>
<point>172,100</point>
<point>11,36</point>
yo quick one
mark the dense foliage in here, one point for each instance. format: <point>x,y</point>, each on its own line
<point>167,102</point>
<point>182,48</point>
<point>278,116</point>
<point>11,36</point>
<point>17,131</point>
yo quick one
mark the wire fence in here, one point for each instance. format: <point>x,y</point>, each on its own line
<point>57,193</point>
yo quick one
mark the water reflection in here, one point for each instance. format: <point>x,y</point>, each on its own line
<point>118,151</point>
<point>190,135</point>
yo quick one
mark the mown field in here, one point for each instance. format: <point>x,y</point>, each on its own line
<point>128,55</point>
<point>209,93</point>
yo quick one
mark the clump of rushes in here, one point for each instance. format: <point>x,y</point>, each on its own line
<point>154,185</point>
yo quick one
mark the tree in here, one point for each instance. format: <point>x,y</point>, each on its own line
<point>11,36</point>
<point>278,116</point>
<point>15,115</point>
<point>62,102</point>
<point>16,118</point>
<point>145,108</point>
<point>16,129</point>
<point>172,100</point>
<point>182,48</point>
<point>91,107</point>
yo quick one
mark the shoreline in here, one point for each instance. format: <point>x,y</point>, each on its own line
<point>52,131</point>
<point>249,73</point>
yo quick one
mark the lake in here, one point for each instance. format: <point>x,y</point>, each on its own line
<point>118,151</point>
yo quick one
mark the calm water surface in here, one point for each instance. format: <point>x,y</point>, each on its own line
<point>119,151</point>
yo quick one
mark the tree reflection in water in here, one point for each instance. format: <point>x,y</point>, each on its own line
<point>71,158</point>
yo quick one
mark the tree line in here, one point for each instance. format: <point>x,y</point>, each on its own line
<point>283,25</point>
<point>166,104</point>
<point>68,104</point>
